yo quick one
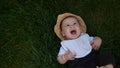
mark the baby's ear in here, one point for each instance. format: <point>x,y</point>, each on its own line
<point>63,34</point>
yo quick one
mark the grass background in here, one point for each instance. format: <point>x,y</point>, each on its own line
<point>27,39</point>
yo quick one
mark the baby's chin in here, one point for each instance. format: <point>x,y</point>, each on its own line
<point>74,37</point>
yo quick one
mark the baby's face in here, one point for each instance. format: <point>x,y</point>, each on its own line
<point>70,28</point>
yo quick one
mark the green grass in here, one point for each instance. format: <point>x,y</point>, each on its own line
<point>27,39</point>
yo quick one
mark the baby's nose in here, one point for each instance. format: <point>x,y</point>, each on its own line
<point>71,26</point>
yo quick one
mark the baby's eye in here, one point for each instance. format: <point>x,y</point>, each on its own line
<point>74,23</point>
<point>68,25</point>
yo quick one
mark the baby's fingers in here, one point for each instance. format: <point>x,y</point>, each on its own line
<point>68,52</point>
<point>72,56</point>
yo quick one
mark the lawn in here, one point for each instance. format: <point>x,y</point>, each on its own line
<point>27,38</point>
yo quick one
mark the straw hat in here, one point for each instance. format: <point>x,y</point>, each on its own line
<point>61,17</point>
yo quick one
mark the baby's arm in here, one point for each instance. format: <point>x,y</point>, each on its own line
<point>96,43</point>
<point>62,59</point>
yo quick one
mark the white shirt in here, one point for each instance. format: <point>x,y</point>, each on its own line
<point>80,46</point>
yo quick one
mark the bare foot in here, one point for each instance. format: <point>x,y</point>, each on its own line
<point>109,66</point>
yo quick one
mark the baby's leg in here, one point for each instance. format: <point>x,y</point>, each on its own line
<point>106,66</point>
<point>106,60</point>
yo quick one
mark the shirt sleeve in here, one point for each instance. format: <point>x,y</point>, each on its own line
<point>61,51</point>
<point>91,39</point>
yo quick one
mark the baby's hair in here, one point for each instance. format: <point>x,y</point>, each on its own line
<point>64,19</point>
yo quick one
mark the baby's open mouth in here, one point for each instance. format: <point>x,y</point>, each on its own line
<point>73,32</point>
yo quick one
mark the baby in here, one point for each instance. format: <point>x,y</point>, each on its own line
<point>77,47</point>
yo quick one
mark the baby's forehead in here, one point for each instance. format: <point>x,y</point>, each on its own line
<point>69,19</point>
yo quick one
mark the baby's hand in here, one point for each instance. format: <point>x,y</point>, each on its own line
<point>96,43</point>
<point>69,55</point>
